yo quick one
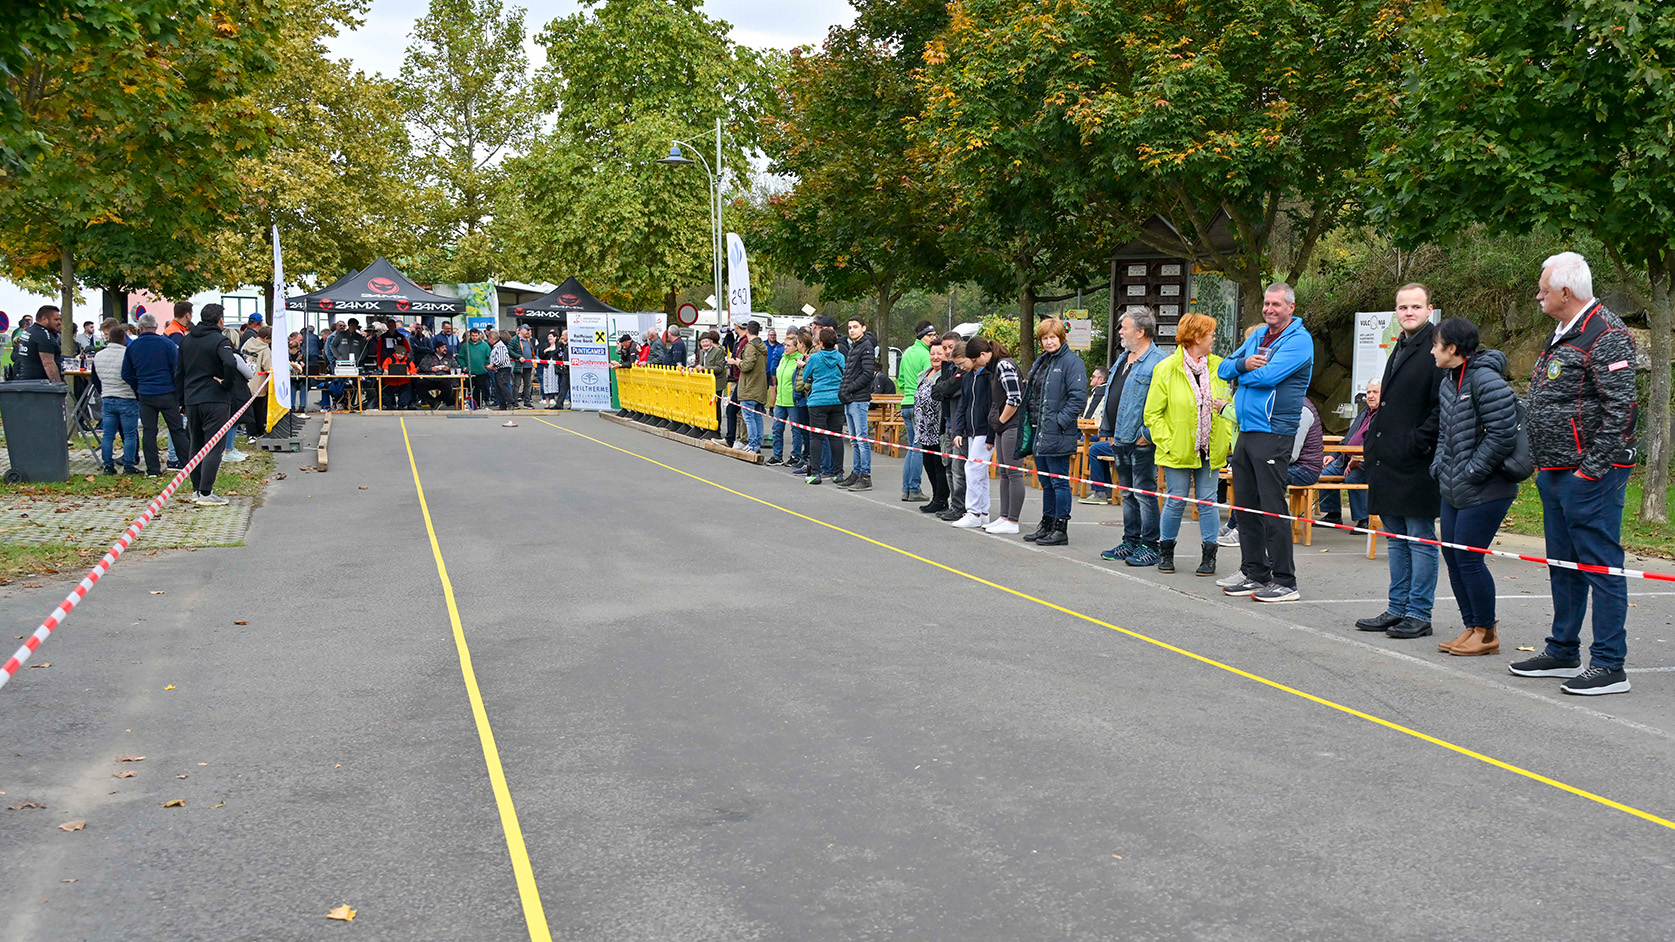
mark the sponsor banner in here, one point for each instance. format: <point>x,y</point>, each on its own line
<point>738,279</point>
<point>590,362</point>
<point>279,394</point>
<point>1375,337</point>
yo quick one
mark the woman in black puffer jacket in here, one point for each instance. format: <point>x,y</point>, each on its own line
<point>1476,433</point>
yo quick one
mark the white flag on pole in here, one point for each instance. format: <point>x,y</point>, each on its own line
<point>279,323</point>
<point>738,277</point>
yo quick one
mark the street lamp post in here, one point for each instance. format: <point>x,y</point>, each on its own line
<point>677,159</point>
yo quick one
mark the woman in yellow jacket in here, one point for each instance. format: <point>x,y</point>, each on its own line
<point>1184,413</point>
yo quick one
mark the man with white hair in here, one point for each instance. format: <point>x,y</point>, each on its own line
<point>1580,420</point>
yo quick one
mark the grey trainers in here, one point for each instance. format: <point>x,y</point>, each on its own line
<point>1243,587</point>
<point>1595,681</point>
<point>209,500</point>
<point>1274,592</point>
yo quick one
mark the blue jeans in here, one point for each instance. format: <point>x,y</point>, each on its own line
<point>856,414</point>
<point>1202,483</point>
<point>1413,567</point>
<point>913,463</point>
<point>753,423</point>
<point>299,398</point>
<point>1584,523</point>
<point>1055,492</point>
<point>1137,467</point>
<point>121,415</point>
<point>1468,574</point>
<point>1331,502</point>
<point>782,415</point>
<point>1098,469</point>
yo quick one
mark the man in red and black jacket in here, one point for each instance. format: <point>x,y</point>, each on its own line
<point>1580,419</point>
<point>398,388</point>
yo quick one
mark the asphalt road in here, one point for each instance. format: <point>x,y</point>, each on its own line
<point>718,719</point>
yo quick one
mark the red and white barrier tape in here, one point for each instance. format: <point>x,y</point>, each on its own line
<point>536,362</point>
<point>93,576</point>
<point>1486,551</point>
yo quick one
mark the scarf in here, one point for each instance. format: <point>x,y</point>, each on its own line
<point>1198,374</point>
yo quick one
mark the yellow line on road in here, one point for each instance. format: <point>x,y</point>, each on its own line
<point>533,914</point>
<point>1379,721</point>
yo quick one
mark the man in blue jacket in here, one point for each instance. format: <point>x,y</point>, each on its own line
<point>1126,439</point>
<point>1272,369</point>
<point>148,369</point>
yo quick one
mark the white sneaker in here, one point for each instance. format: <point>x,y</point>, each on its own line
<point>1001,525</point>
<point>209,500</point>
<point>234,456</point>
<point>1229,581</point>
<point>971,521</point>
<point>1228,537</point>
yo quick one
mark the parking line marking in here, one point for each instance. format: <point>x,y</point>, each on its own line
<point>1211,662</point>
<point>533,913</point>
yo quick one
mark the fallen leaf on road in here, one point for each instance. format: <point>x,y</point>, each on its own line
<point>363,487</point>
<point>31,585</point>
<point>343,912</point>
<point>241,623</point>
<point>169,687</point>
<point>125,774</point>
<point>42,664</point>
<point>26,804</point>
<point>1115,857</point>
<point>1525,647</point>
<point>203,763</point>
<point>181,775</point>
<point>130,758</point>
<point>176,803</point>
<point>72,825</point>
<point>159,592</point>
<point>71,880</point>
<point>221,805</point>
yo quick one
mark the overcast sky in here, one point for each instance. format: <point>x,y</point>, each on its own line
<point>380,44</point>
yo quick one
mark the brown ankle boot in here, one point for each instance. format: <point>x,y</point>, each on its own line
<point>1482,641</point>
<point>1449,646</point>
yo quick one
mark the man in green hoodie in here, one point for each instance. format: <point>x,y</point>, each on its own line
<point>474,355</point>
<point>915,360</point>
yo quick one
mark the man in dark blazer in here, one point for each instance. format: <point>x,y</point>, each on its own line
<point>1401,439</point>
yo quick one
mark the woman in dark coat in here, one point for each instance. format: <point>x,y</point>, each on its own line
<point>1477,429</point>
<point>1054,396</point>
<point>1401,438</point>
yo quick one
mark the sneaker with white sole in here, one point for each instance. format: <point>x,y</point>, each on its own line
<point>1274,592</point>
<point>1243,587</point>
<point>1234,579</point>
<point>1545,665</point>
<point>1001,525</point>
<point>234,456</point>
<point>1595,681</point>
<point>1096,500</point>
<point>209,500</point>
<point>1227,537</point>
<point>971,521</point>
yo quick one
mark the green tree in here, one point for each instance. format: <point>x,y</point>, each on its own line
<point>860,220</point>
<point>625,78</point>
<point>340,155</point>
<point>1553,116</point>
<point>144,134</point>
<point>1256,111</point>
<point>1013,164</point>
<point>465,87</point>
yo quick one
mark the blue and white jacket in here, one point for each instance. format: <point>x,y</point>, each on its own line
<point>1270,398</point>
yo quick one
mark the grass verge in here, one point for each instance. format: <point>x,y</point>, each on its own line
<point>19,561</point>
<point>1640,537</point>
<point>242,479</point>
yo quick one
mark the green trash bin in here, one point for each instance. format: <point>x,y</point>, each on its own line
<point>37,439</point>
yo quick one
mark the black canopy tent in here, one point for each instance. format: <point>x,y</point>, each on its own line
<point>378,290</point>
<point>557,305</point>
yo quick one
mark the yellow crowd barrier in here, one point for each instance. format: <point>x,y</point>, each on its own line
<point>668,392</point>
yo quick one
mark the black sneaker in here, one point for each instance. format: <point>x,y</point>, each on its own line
<point>845,480</point>
<point>1243,587</point>
<point>110,469</point>
<point>773,461</point>
<point>1596,681</point>
<point>1543,665</point>
<point>1272,592</point>
<point>861,482</point>
<point>1382,622</point>
<point>951,514</point>
<point>1409,628</point>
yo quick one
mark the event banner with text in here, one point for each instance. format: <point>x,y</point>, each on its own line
<point>590,362</point>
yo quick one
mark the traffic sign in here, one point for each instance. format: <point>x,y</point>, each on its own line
<point>687,314</point>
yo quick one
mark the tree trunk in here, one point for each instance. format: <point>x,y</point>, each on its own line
<point>273,296</point>
<point>671,306</point>
<point>1655,434</point>
<point>881,323</point>
<point>1251,290</point>
<point>1114,321</point>
<point>1025,354</point>
<point>67,297</point>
